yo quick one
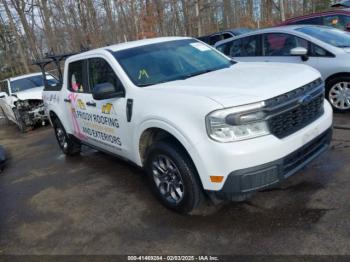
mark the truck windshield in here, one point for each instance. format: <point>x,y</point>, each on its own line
<point>31,82</point>
<point>169,61</point>
<point>328,35</point>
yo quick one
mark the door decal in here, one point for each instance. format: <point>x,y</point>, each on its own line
<point>73,98</point>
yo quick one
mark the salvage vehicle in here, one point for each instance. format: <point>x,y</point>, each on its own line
<point>204,128</point>
<point>324,48</point>
<point>21,99</point>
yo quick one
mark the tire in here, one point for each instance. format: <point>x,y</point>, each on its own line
<point>68,145</point>
<point>20,123</point>
<point>338,93</point>
<point>173,178</point>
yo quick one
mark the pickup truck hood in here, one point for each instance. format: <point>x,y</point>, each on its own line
<point>35,93</point>
<point>243,83</point>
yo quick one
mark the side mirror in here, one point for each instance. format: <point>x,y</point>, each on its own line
<point>300,51</point>
<point>105,91</point>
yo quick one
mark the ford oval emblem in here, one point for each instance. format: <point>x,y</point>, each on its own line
<point>305,100</point>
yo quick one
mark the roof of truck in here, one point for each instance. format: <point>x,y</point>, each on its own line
<point>136,43</point>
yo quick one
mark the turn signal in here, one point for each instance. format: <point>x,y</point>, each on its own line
<point>216,179</point>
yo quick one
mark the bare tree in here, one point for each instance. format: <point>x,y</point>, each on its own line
<point>39,26</point>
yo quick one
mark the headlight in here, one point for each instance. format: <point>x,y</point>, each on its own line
<point>237,123</point>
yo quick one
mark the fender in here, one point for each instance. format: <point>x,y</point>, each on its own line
<point>62,117</point>
<point>169,127</point>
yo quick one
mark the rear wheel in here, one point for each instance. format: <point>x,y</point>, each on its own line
<point>338,93</point>
<point>173,178</point>
<point>68,145</point>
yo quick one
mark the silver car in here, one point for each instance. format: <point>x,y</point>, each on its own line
<point>324,48</point>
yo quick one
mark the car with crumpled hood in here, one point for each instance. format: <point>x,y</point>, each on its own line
<point>21,99</point>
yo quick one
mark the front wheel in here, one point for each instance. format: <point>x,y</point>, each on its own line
<point>173,178</point>
<point>67,144</point>
<point>338,93</point>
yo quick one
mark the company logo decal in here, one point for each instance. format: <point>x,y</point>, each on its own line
<point>106,109</point>
<point>305,100</point>
<point>81,104</point>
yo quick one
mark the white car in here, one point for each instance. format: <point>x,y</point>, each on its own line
<point>202,126</point>
<point>21,99</point>
<point>325,48</point>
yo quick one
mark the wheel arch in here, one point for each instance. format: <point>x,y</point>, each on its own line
<point>154,134</point>
<point>53,114</point>
<point>155,130</point>
<point>337,75</point>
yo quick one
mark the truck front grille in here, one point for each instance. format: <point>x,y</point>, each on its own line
<point>289,117</point>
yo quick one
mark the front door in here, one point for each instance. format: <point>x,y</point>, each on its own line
<point>277,48</point>
<point>101,123</point>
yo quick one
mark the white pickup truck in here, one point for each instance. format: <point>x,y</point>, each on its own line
<point>201,125</point>
<point>21,99</point>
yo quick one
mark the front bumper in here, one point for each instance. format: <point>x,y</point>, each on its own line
<point>260,177</point>
<point>34,116</point>
<point>38,114</point>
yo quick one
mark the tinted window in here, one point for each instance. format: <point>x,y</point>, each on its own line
<point>279,44</point>
<point>214,39</point>
<point>205,39</point>
<point>101,72</point>
<point>311,21</point>
<point>328,35</point>
<point>30,82</point>
<point>227,35</point>
<point>318,51</point>
<point>248,46</point>
<point>224,48</point>
<point>75,77</point>
<point>168,61</point>
<point>337,21</point>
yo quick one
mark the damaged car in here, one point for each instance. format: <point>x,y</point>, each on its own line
<point>21,100</point>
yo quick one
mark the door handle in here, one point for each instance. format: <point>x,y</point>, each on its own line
<point>93,104</point>
<point>66,100</point>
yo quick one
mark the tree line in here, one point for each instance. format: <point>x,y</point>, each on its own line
<point>31,28</point>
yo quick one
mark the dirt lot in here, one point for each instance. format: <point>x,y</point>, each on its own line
<point>97,204</point>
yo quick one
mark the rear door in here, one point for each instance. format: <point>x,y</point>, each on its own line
<point>246,49</point>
